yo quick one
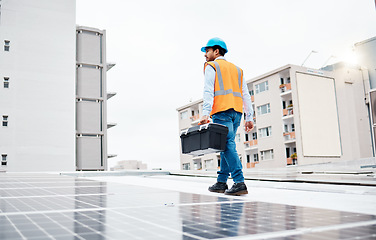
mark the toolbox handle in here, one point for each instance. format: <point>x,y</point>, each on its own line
<point>185,132</point>
<point>204,126</point>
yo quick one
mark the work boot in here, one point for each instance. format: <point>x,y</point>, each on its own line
<point>219,187</point>
<point>237,189</point>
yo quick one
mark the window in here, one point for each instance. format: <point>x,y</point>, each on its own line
<point>285,80</point>
<point>254,135</point>
<point>6,45</point>
<point>262,87</point>
<point>195,114</point>
<point>237,137</point>
<point>292,128</point>
<point>246,137</point>
<point>6,82</point>
<point>265,132</point>
<point>286,128</point>
<point>251,93</point>
<point>4,159</point>
<point>5,121</point>
<point>255,157</point>
<point>186,166</point>
<point>184,115</point>
<point>209,164</point>
<point>266,155</point>
<point>263,109</point>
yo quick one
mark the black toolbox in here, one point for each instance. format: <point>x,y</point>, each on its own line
<point>204,139</point>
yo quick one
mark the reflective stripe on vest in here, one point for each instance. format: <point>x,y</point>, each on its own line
<point>221,90</point>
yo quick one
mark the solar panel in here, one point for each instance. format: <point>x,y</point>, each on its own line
<point>60,207</point>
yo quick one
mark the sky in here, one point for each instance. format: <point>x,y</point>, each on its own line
<point>159,66</point>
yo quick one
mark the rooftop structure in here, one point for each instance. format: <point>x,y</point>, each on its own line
<point>91,99</point>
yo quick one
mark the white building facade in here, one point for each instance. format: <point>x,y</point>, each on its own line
<point>37,91</point>
<point>53,93</point>
<point>303,116</point>
<point>365,52</point>
<point>91,99</point>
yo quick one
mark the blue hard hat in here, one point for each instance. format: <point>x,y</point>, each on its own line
<point>215,41</point>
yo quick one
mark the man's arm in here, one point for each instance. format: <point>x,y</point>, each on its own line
<point>208,94</point>
<point>248,109</point>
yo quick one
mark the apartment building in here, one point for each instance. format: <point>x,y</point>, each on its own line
<point>91,99</point>
<point>37,90</point>
<point>365,51</point>
<point>129,165</point>
<point>302,116</point>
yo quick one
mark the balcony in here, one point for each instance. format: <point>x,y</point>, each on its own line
<point>285,87</point>
<point>251,143</point>
<point>288,111</point>
<point>195,119</point>
<point>251,165</point>
<point>292,161</point>
<point>289,136</point>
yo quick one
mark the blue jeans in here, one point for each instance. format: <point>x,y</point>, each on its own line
<point>230,162</point>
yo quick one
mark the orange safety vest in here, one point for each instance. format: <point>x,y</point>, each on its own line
<point>227,87</point>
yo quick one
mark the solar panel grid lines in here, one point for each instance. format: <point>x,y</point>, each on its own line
<point>71,208</point>
<point>10,230</point>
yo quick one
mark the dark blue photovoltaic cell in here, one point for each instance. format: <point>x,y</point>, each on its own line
<point>59,207</point>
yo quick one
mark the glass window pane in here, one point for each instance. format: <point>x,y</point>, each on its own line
<point>184,115</point>
<point>261,87</point>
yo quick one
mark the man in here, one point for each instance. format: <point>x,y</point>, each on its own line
<point>225,94</point>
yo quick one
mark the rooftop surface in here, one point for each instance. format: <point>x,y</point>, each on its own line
<point>158,205</point>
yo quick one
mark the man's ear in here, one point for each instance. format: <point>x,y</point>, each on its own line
<point>216,52</point>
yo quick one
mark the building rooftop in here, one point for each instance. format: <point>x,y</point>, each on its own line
<point>365,41</point>
<point>177,205</point>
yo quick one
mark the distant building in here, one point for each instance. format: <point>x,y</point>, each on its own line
<point>129,165</point>
<point>303,116</point>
